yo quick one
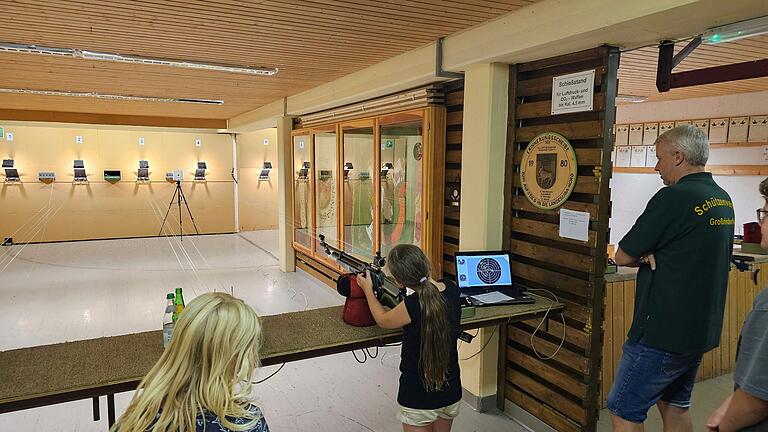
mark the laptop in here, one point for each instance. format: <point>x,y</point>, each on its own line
<point>486,278</point>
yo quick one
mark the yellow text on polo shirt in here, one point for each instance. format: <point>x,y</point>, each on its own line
<point>711,203</point>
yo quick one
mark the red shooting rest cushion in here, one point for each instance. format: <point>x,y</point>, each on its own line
<point>356,310</point>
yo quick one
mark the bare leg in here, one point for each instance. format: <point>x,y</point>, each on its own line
<point>409,428</point>
<point>675,419</point>
<point>621,425</point>
<point>442,425</point>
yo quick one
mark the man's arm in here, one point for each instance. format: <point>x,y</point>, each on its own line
<point>743,410</point>
<point>624,259</point>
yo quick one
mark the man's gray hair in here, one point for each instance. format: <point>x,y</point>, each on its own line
<point>689,140</point>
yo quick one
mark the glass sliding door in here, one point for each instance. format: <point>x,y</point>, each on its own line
<point>326,193</point>
<point>302,191</point>
<point>359,193</point>
<point>401,146</point>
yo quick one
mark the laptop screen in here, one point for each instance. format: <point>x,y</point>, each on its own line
<point>483,270</point>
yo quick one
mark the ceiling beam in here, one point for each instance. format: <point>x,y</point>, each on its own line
<point>111,119</point>
<point>718,74</point>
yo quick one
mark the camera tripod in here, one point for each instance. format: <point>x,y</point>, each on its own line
<point>178,196</point>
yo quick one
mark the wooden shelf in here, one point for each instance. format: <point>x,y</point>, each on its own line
<point>738,144</point>
<point>720,145</point>
<point>732,170</point>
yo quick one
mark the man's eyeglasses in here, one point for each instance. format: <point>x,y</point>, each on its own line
<point>761,214</point>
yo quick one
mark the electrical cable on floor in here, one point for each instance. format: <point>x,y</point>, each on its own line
<point>366,354</point>
<point>546,314</point>
<point>358,360</point>
<point>490,338</point>
<point>373,356</point>
<point>270,376</point>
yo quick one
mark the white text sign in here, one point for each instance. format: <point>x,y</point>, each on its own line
<point>573,92</point>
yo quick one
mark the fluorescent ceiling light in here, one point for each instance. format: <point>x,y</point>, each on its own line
<point>631,98</point>
<point>115,57</point>
<point>112,96</point>
<point>735,31</point>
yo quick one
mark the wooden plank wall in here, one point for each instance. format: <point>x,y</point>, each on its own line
<point>564,391</point>
<point>454,101</point>
<point>619,302</point>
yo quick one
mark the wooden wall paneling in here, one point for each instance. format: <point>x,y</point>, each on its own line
<point>547,231</point>
<point>572,260</point>
<point>561,282</point>
<point>555,328</point>
<point>520,202</point>
<point>733,320</point>
<point>434,182</point>
<point>566,359</point>
<point>725,336</point>
<point>454,101</point>
<point>542,411</point>
<point>572,270</point>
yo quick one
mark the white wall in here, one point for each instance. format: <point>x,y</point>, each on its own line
<point>631,192</point>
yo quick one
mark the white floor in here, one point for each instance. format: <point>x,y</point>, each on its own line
<point>80,290</point>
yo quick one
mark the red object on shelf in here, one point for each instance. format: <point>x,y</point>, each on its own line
<point>356,310</point>
<point>752,233</point>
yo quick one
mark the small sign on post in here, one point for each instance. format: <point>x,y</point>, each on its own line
<point>573,92</point>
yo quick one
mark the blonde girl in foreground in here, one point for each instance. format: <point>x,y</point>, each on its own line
<point>202,382</point>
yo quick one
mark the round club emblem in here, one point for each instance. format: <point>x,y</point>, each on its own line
<point>548,170</point>
<point>489,270</point>
<point>417,151</point>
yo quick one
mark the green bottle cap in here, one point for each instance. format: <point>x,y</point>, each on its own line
<point>169,296</point>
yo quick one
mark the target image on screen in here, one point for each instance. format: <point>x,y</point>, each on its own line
<point>483,270</point>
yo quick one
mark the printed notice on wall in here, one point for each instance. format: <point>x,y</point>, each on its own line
<point>573,92</point>
<point>574,224</point>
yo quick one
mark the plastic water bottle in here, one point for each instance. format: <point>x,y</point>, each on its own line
<point>168,319</point>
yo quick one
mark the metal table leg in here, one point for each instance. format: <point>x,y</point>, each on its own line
<point>96,413</point>
<point>111,409</point>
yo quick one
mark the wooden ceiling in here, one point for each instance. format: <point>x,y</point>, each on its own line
<point>637,72</point>
<point>310,41</point>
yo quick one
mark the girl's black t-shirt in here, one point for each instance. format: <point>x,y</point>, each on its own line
<point>412,393</point>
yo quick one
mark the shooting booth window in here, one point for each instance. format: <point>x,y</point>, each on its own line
<point>359,191</point>
<point>359,183</point>
<point>325,186</point>
<point>302,192</point>
<point>401,180</point>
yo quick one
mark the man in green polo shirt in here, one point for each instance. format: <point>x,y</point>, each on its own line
<point>682,243</point>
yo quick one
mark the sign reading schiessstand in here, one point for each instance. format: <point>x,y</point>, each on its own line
<point>548,170</point>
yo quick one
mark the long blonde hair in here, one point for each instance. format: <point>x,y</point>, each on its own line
<point>412,268</point>
<point>207,367</point>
